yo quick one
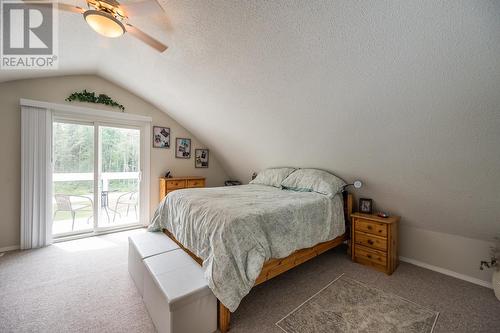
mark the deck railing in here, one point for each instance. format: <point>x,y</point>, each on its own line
<point>105,176</point>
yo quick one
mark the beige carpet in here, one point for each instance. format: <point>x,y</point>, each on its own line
<point>77,286</point>
<point>84,286</point>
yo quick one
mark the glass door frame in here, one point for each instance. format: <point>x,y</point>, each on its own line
<point>84,123</point>
<point>98,118</point>
<point>98,174</point>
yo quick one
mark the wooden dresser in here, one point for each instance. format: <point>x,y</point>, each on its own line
<point>375,241</point>
<point>168,185</point>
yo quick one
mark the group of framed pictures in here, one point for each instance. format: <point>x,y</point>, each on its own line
<point>161,139</point>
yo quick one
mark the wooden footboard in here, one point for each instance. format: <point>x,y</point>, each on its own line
<point>275,267</point>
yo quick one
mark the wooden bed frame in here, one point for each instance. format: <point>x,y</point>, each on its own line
<point>275,267</point>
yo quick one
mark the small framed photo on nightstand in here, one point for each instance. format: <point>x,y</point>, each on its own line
<point>365,205</point>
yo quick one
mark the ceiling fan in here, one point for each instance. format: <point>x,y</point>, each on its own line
<point>109,19</point>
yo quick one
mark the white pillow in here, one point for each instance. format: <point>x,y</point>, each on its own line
<point>314,180</point>
<point>272,176</point>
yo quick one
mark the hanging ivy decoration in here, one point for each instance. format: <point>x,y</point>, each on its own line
<point>91,97</point>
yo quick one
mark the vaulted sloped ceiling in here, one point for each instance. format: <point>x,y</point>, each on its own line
<point>404,95</point>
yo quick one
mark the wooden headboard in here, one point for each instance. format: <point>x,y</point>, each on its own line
<point>347,198</point>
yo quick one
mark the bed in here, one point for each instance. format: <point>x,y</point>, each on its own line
<point>246,235</point>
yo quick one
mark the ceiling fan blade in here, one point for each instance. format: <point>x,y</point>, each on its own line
<point>61,6</point>
<point>142,8</point>
<point>70,8</point>
<point>144,37</point>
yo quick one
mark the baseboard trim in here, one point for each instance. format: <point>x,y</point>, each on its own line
<point>448,272</point>
<point>9,248</point>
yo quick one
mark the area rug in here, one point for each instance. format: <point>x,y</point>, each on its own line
<point>346,305</point>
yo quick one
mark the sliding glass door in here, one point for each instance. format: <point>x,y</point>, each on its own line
<point>73,178</point>
<point>119,176</point>
<point>96,177</point>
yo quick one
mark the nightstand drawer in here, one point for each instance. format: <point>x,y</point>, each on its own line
<point>371,227</point>
<point>374,256</point>
<point>195,183</point>
<point>175,184</point>
<point>371,241</point>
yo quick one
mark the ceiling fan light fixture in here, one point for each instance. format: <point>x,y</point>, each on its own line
<point>104,23</point>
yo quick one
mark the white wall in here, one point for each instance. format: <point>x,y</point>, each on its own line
<point>56,90</point>
<point>453,255</point>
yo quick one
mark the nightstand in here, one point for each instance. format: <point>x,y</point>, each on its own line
<point>375,241</point>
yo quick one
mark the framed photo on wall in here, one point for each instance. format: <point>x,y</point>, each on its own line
<point>182,148</point>
<point>201,158</point>
<point>161,137</point>
<point>365,205</point>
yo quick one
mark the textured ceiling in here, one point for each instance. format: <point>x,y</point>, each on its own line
<point>404,95</point>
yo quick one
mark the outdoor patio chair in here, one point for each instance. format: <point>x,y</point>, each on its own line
<point>64,204</point>
<point>129,199</point>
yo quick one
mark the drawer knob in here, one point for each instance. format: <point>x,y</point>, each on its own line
<point>370,242</point>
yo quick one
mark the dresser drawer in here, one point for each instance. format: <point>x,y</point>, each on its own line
<point>373,256</point>
<point>371,227</point>
<point>195,183</point>
<point>371,241</point>
<point>168,185</point>
<point>175,184</point>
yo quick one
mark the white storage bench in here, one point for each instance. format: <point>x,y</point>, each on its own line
<point>142,246</point>
<point>177,296</point>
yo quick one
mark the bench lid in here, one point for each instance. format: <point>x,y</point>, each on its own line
<point>151,243</point>
<point>179,277</point>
